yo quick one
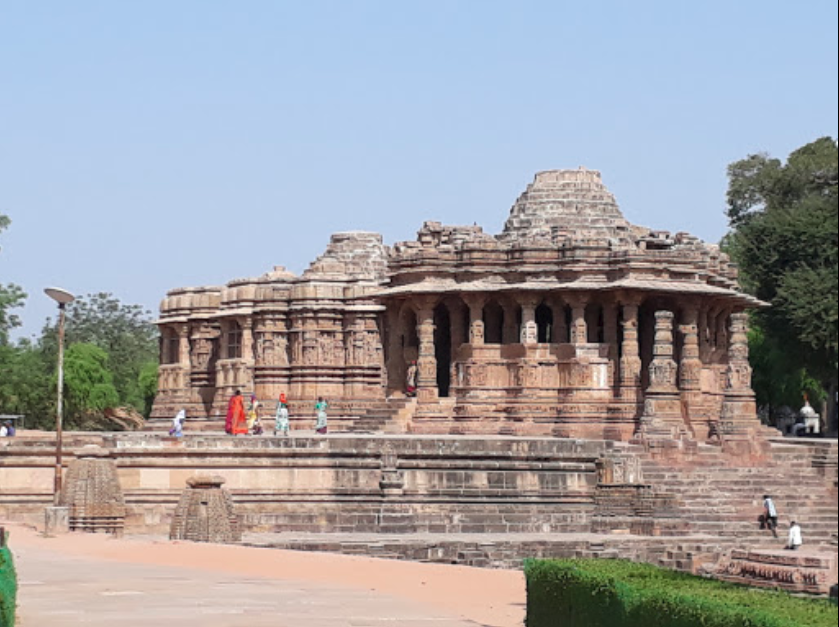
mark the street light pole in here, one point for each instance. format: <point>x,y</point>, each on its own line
<point>62,297</point>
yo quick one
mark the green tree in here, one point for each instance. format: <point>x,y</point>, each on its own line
<point>26,386</point>
<point>785,238</point>
<point>124,332</point>
<point>11,296</point>
<point>88,384</point>
<point>147,383</point>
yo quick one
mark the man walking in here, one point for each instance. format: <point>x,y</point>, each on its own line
<point>770,514</point>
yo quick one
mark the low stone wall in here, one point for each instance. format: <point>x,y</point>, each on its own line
<point>333,484</point>
<point>507,551</point>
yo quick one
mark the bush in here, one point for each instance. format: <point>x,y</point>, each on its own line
<point>8,588</point>
<point>608,593</point>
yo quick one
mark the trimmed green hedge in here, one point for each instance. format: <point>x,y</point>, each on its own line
<point>612,593</point>
<point>8,588</point>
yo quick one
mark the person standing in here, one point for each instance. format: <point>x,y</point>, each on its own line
<point>794,541</point>
<point>236,422</point>
<point>281,423</point>
<point>411,380</point>
<point>770,514</point>
<point>320,409</point>
<point>177,429</point>
<point>253,412</point>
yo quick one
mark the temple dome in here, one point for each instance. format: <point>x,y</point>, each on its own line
<point>562,205</point>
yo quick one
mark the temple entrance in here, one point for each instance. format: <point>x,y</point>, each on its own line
<point>443,349</point>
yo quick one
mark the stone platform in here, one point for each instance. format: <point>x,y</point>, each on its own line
<point>487,501</point>
<point>493,550</point>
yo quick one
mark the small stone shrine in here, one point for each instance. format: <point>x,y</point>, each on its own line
<point>92,493</point>
<point>205,513</point>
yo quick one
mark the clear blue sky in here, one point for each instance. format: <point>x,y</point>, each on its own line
<point>156,144</point>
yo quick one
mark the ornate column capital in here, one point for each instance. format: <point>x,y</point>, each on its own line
<point>630,299</point>
<point>475,300</point>
<point>577,300</point>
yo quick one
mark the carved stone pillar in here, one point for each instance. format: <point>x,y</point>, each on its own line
<point>690,368</point>
<point>579,327</point>
<point>702,326</point>
<point>721,332</point>
<point>459,332</point>
<point>662,418</point>
<point>183,346</point>
<point>560,324</point>
<point>475,303</point>
<point>247,339</point>
<point>427,361</point>
<point>630,362</point>
<point>739,414</point>
<point>510,329</point>
<point>529,328</point>
<point>610,336</point>
<point>394,359</point>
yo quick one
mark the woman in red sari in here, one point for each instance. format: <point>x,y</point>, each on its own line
<point>236,422</point>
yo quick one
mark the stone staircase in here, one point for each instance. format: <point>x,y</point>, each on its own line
<point>389,416</point>
<point>722,498</point>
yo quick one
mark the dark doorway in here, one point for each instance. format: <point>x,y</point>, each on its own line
<point>493,323</point>
<point>443,349</point>
<point>544,322</point>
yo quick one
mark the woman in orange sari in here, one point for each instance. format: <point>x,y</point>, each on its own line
<point>237,421</point>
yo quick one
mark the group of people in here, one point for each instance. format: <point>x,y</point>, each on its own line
<point>244,421</point>
<point>769,520</point>
<point>7,429</point>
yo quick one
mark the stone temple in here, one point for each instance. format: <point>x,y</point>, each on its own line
<point>572,322</point>
<point>583,390</point>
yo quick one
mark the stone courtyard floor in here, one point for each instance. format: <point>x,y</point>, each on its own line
<point>98,581</point>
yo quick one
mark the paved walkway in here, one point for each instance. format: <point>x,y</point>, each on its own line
<point>96,581</point>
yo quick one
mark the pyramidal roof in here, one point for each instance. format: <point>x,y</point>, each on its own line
<point>567,205</point>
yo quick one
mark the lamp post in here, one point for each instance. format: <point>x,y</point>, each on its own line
<point>62,297</point>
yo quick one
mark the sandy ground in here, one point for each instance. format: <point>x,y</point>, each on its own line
<point>95,580</point>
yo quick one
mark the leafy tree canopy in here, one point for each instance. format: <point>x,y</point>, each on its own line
<point>11,296</point>
<point>124,332</point>
<point>88,383</point>
<point>785,238</point>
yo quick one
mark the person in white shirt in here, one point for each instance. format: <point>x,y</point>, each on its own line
<point>795,540</point>
<point>770,514</point>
